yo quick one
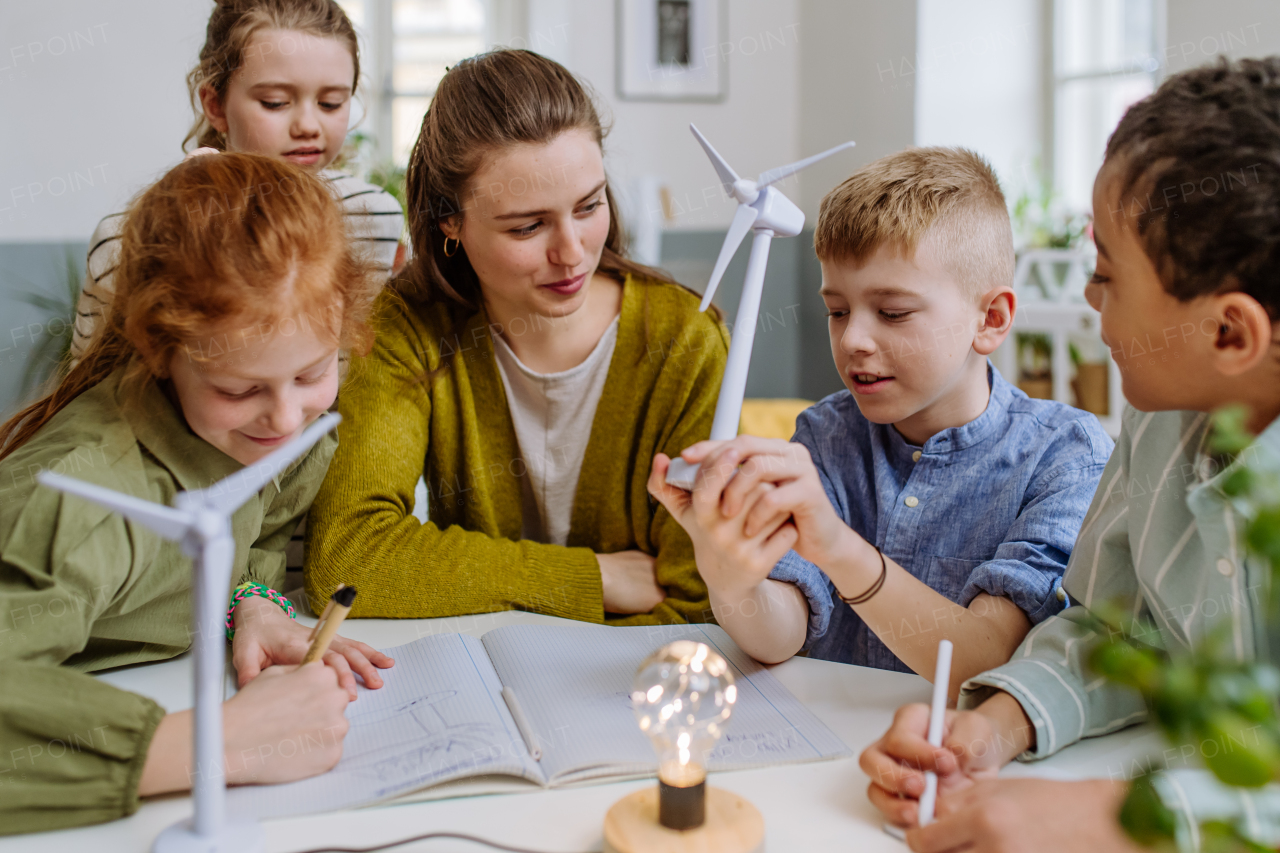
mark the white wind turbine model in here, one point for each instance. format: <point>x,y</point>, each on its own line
<point>768,213</point>
<point>201,521</point>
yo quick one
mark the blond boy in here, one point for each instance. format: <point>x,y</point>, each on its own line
<point>931,499</point>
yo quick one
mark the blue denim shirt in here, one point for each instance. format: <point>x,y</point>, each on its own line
<point>992,506</point>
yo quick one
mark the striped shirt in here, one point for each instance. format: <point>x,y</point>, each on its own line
<point>1162,540</point>
<point>374,222</point>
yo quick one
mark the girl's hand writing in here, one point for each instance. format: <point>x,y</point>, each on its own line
<point>287,724</point>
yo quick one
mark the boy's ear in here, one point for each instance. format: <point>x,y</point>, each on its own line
<point>213,110</point>
<point>1244,333</point>
<point>998,308</point>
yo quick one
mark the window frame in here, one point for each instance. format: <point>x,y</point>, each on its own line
<point>379,63</point>
<point>1055,82</point>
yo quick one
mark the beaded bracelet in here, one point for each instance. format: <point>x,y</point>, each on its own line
<point>249,590</point>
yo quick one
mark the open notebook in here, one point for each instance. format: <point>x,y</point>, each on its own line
<point>441,717</point>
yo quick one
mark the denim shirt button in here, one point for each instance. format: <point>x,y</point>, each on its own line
<point>915,457</point>
<point>911,500</point>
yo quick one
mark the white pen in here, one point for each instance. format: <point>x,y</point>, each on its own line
<point>937,713</point>
<point>509,696</point>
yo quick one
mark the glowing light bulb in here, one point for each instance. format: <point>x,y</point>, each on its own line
<point>683,695</point>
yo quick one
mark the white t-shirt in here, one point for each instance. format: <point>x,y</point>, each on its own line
<point>374,223</point>
<point>552,414</point>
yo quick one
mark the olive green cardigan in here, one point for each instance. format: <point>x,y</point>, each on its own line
<point>659,395</point>
<point>83,590</point>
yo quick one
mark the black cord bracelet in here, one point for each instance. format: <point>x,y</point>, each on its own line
<point>875,587</point>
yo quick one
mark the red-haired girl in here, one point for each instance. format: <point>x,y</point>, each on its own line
<point>236,293</point>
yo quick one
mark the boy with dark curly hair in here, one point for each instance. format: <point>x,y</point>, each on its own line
<point>1187,224</point>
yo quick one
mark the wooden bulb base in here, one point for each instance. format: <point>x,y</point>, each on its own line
<point>732,825</point>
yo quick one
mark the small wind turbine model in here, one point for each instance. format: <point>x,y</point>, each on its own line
<point>201,521</point>
<point>768,213</point>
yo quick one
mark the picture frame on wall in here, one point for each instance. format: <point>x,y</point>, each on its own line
<point>672,50</point>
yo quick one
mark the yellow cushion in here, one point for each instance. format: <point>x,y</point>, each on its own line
<point>771,418</point>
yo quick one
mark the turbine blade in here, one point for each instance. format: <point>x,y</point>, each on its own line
<point>775,175</point>
<point>727,176</point>
<point>165,520</point>
<point>228,494</point>
<point>743,218</point>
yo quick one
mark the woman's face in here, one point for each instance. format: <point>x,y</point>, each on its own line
<point>290,99</point>
<point>534,225</point>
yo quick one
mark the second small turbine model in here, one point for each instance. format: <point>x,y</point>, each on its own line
<point>201,521</point>
<point>768,213</point>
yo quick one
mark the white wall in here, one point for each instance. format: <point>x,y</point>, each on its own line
<point>94,103</point>
<point>979,83</point>
<point>98,122</point>
<point>756,127</point>
<point>849,88</point>
<point>1198,31</point>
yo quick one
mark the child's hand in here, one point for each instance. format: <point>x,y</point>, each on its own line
<point>897,762</point>
<point>265,636</point>
<point>732,563</point>
<point>285,707</point>
<point>1029,814</point>
<point>796,491</point>
<point>287,724</point>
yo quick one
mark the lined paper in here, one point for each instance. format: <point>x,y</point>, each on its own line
<point>580,705</point>
<point>441,717</point>
<point>438,717</point>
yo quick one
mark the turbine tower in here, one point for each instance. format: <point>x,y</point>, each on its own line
<point>201,522</point>
<point>765,211</point>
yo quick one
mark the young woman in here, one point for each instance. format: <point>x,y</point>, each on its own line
<point>231,312</point>
<point>528,369</point>
<point>275,77</point>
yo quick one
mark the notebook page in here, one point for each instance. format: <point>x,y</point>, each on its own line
<point>439,717</point>
<point>574,684</point>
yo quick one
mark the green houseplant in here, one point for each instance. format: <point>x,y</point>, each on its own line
<point>51,346</point>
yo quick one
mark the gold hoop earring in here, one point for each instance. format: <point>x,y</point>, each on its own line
<point>456,244</point>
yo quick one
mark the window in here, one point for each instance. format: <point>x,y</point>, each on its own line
<point>405,47</point>
<point>1104,59</point>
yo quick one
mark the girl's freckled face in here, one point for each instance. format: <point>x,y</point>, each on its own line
<point>255,397</point>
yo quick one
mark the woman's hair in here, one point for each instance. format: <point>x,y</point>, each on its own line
<point>1198,169</point>
<point>482,105</point>
<point>233,25</point>
<point>224,248</point>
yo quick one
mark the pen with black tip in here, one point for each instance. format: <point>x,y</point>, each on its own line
<point>334,612</point>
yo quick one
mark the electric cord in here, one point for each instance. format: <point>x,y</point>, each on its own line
<point>460,836</point>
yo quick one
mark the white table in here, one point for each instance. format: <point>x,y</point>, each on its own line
<point>817,806</point>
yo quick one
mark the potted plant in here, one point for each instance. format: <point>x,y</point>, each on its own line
<point>1035,364</point>
<point>1091,382</point>
<point>49,352</point>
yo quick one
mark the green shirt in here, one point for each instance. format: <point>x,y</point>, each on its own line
<point>1163,540</point>
<point>82,590</point>
<point>659,395</point>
